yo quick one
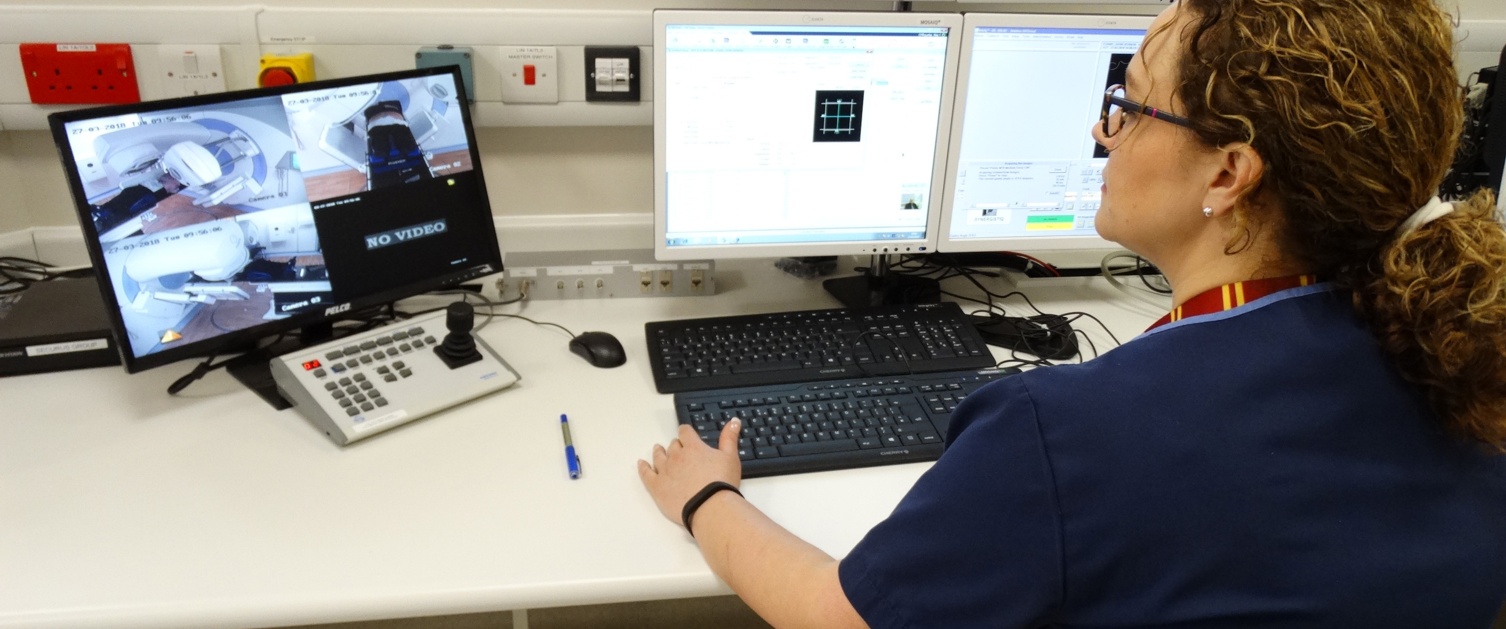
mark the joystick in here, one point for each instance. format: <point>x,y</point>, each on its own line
<point>458,348</point>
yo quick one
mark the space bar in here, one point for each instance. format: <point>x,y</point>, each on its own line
<point>772,365</point>
<point>818,447</point>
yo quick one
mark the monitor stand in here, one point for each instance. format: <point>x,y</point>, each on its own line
<point>881,286</point>
<point>254,368</point>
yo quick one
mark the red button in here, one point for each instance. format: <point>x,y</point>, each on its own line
<point>275,76</point>
<point>528,75</point>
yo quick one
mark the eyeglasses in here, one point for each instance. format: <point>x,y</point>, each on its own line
<point>1115,104</point>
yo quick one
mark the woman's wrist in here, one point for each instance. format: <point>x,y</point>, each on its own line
<point>694,504</point>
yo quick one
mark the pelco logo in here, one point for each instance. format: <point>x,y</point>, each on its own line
<point>334,310</point>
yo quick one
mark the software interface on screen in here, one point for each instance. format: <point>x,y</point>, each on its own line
<point>224,216</point>
<point>779,135</point>
<point>1026,166</point>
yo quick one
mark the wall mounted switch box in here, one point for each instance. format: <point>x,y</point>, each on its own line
<point>285,69</point>
<point>530,74</point>
<point>603,274</point>
<point>80,74</point>
<point>447,55</point>
<point>612,73</point>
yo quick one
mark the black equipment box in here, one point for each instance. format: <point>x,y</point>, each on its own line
<point>53,326</point>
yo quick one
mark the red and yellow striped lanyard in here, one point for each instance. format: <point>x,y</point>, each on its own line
<point>1230,296</point>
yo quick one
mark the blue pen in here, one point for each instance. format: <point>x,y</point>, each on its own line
<point>571,461</point>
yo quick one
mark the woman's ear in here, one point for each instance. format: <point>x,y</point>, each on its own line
<point>1237,170</point>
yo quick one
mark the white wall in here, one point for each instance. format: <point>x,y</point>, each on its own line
<point>537,170</point>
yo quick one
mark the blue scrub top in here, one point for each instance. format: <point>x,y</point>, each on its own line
<point>1260,467</point>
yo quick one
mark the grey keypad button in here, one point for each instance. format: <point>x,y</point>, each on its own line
<point>334,355</point>
<point>405,347</point>
<point>390,378</point>
<point>385,340</point>
<point>399,365</point>
<point>320,373</point>
<point>330,386</point>
<point>415,331</point>
<point>337,368</point>
<point>374,394</point>
<point>344,382</point>
<point>337,394</point>
<point>383,369</point>
<point>351,389</point>
<point>351,350</point>
<point>365,359</point>
<point>352,363</point>
<point>392,351</point>
<point>345,403</point>
<point>360,377</point>
<point>352,411</point>
<point>405,373</point>
<point>380,401</point>
<point>368,345</point>
<point>430,340</point>
<point>417,343</point>
<point>366,406</point>
<point>399,336</point>
<point>366,385</point>
<point>359,398</point>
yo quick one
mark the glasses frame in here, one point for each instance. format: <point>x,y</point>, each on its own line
<point>1110,100</point>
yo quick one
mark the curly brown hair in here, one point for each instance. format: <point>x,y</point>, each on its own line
<point>1356,109</point>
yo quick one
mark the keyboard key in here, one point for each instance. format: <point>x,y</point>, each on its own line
<point>818,447</point>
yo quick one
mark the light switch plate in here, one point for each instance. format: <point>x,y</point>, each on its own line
<point>516,73</point>
<point>190,70</point>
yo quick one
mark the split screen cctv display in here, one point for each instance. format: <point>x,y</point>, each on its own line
<point>221,216</point>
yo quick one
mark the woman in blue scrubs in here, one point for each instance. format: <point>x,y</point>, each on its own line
<point>1311,438</point>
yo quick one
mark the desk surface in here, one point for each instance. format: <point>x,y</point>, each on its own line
<point>121,506</point>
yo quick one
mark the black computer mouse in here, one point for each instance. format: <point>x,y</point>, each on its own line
<point>599,348</point>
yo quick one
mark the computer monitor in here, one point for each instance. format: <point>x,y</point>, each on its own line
<point>1024,174</point>
<point>220,220</point>
<point>788,133</point>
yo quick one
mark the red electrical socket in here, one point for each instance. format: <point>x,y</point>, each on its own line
<point>80,74</point>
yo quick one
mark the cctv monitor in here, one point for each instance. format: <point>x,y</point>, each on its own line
<point>217,221</point>
<point>784,133</point>
<point>1024,174</point>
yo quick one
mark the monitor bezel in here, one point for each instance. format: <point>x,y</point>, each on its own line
<point>664,18</point>
<point>1034,246</point>
<point>245,339</point>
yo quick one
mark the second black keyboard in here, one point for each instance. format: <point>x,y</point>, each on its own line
<point>835,424</point>
<point>812,345</point>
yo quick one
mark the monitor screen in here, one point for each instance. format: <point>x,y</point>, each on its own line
<point>799,134</point>
<point>1024,173</point>
<point>217,220</point>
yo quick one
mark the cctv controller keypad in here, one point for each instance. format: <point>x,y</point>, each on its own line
<point>374,380</point>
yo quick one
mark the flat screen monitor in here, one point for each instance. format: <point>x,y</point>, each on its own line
<point>1024,174</point>
<point>787,133</point>
<point>215,221</point>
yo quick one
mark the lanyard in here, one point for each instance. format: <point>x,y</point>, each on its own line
<point>1230,296</point>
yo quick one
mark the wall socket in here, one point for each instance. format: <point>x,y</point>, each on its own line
<point>80,74</point>
<point>603,275</point>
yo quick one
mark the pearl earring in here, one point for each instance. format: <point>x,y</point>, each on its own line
<point>1207,212</point>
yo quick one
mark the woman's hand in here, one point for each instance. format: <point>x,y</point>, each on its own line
<point>687,464</point>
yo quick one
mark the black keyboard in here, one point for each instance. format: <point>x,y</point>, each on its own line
<point>859,422</point>
<point>811,345</point>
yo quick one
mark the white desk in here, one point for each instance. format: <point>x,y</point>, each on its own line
<point>121,506</point>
